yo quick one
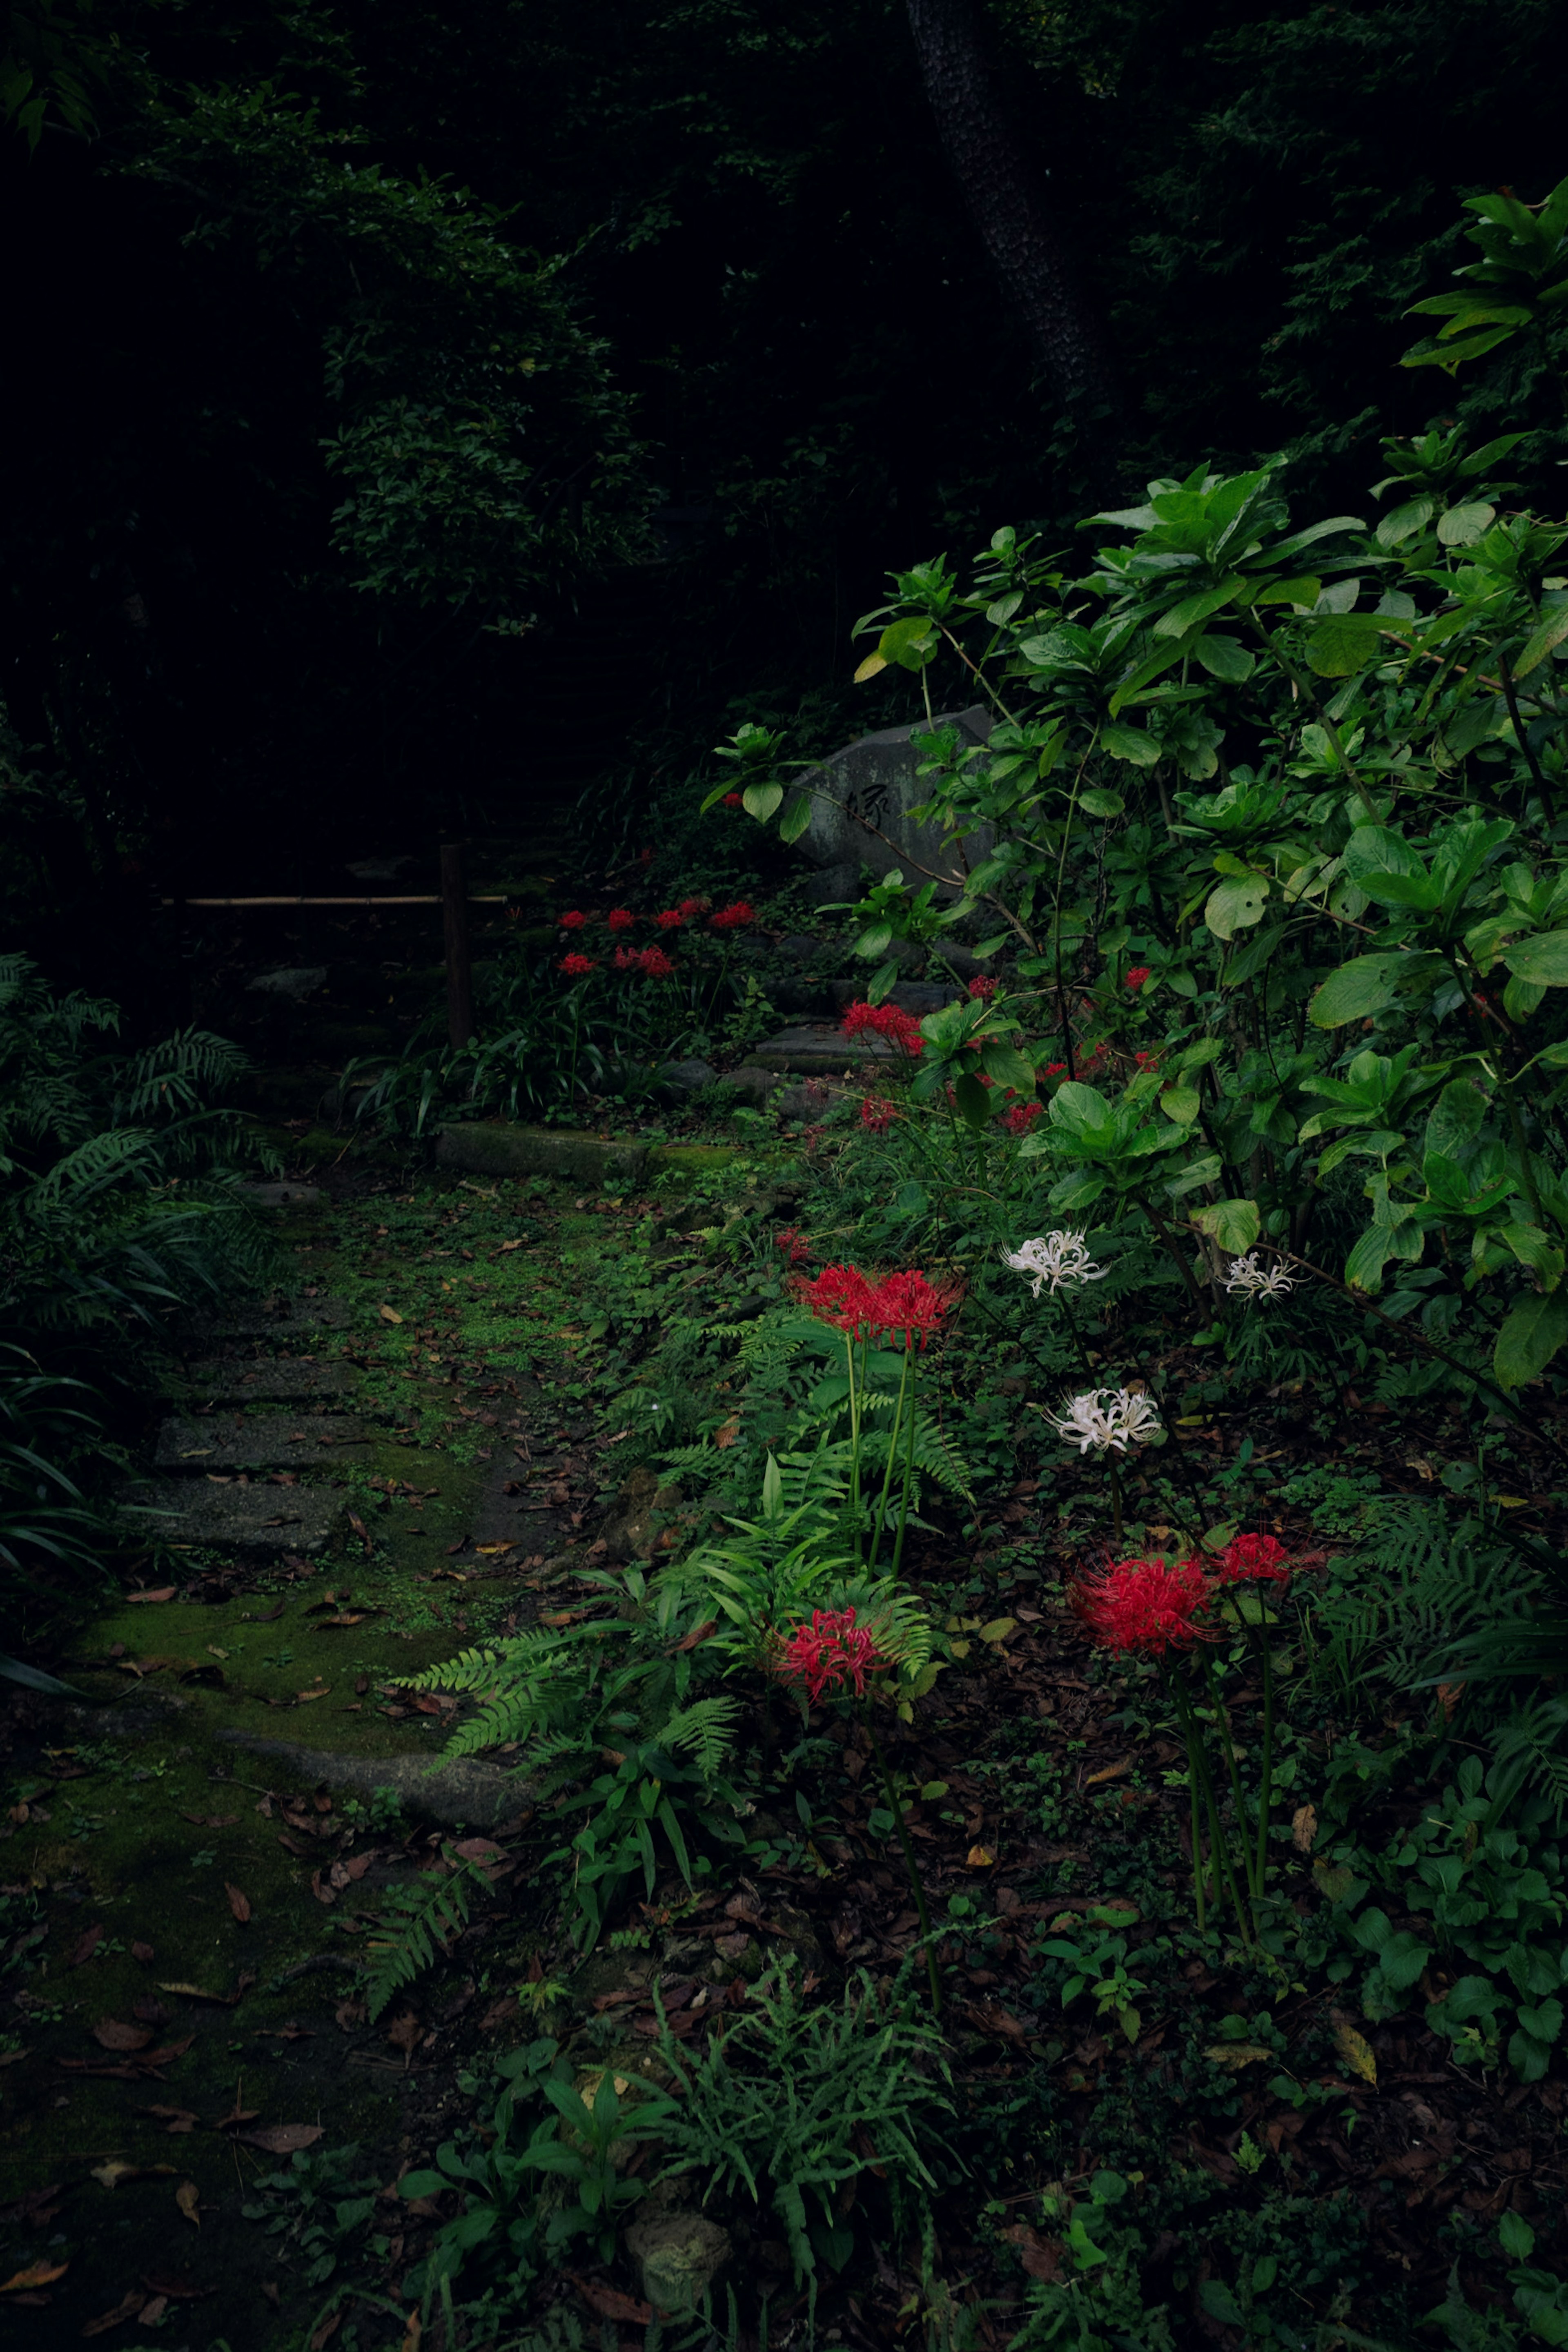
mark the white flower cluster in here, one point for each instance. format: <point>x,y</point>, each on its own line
<point>1107,1418</point>
<point>1054,1258</point>
<point>1257,1281</point>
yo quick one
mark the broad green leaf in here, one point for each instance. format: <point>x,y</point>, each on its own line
<point>1363,985</point>
<point>1343,644</point>
<point>1550,633</point>
<point>1234,905</point>
<point>1009,1068</point>
<point>795,818</point>
<point>762,799</point>
<point>1455,1118</point>
<point>1520,998</point>
<point>1101,800</point>
<point>1463,526</point>
<point>1180,1104</point>
<point>1543,958</point>
<point>871,667</point>
<point>1225,659</point>
<point>973,1101</point>
<point>911,643</point>
<point>1134,743</point>
<point>1381,863</point>
<point>1530,1336</point>
<point>1234,1225</point>
<point>1078,1108</point>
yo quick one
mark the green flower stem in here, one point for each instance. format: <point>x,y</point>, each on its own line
<point>1115,1495</point>
<point>915,1886</point>
<point>1225,1867</point>
<point>1266,1781</point>
<point>1229,1746</point>
<point>854,1440</point>
<point>881,1521</point>
<point>909,1465</point>
<point>1189,1730</point>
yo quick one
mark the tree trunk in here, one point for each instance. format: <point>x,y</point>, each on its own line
<point>1007,208</point>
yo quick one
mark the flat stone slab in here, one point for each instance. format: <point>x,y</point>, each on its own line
<point>493,1148</point>
<point>231,1517</point>
<point>268,1440</point>
<point>822,1050</point>
<point>284,1319</point>
<point>241,1379</point>
<point>478,1795</point>
<point>284,1196</point>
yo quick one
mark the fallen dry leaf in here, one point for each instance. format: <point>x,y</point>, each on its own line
<point>142,1952</point>
<point>1234,2055</point>
<point>405,2032</point>
<point>478,1849</point>
<point>322,1893</point>
<point>270,2289</point>
<point>327,2330</point>
<point>1110,1772</point>
<point>211,1820</point>
<point>178,2119</point>
<point>1304,1827</point>
<point>305,1697</point>
<point>150,2012</point>
<point>164,1593</point>
<point>167,2054</point>
<point>610,2303</point>
<point>235,2117</point>
<point>36,2274</point>
<point>980,1857</point>
<point>113,2173</point>
<point>238,1903</point>
<point>87,1943</point>
<point>151,2312</point>
<point>176,2290</point>
<point>412,2333</point>
<point>282,2139</point>
<point>1357,2052</point>
<point>13,2057</point>
<point>129,2303</point>
<point>114,2035</point>
<point>350,2014</point>
<point>390,1315</point>
<point>198,1993</point>
<point>188,2197</point>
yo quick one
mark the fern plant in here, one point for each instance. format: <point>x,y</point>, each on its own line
<point>616,1706</point>
<point>417,1921</point>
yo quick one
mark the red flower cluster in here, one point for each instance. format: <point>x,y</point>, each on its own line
<point>830,1652</point>
<point>1135,977</point>
<point>1022,1117</point>
<point>877,1114</point>
<point>574,921</point>
<point>670,921</point>
<point>653,964</point>
<point>736,918</point>
<point>575,966</point>
<point>690,907</point>
<point>1052,1070</point>
<point>1254,1560</point>
<point>733,800</point>
<point>889,1021</point>
<point>852,1302</point>
<point>984,988</point>
<point>1142,1605</point>
<point>795,1245</point>
<point>1147,1061</point>
<point>621,918</point>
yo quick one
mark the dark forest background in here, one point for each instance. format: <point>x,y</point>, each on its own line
<point>421,420</point>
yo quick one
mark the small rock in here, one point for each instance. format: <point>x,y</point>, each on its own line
<point>296,982</point>
<point>284,1196</point>
<point>680,2255</point>
<point>751,1081</point>
<point>687,1077</point>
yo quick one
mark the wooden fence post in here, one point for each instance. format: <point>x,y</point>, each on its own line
<point>455,923</point>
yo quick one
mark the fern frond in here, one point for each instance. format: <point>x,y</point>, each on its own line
<point>705,1731</point>
<point>414,1921</point>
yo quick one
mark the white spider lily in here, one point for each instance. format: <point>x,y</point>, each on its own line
<point>1054,1258</point>
<point>1106,1419</point>
<point>1255,1281</point>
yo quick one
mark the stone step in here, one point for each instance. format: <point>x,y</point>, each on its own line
<point>283,1318</point>
<point>478,1796</point>
<point>244,1378</point>
<point>271,1440</point>
<point>234,1518</point>
<point>819,1051</point>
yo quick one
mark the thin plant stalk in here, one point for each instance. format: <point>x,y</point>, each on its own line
<point>1190,1733</point>
<point>854,1440</point>
<point>1266,1776</point>
<point>881,1521</point>
<point>916,1885</point>
<point>1225,1867</point>
<point>1109,1458</point>
<point>1228,1746</point>
<point>908,1463</point>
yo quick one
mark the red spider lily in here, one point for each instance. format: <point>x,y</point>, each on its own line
<point>889,1021</point>
<point>690,907</point>
<point>621,918</point>
<point>574,921</point>
<point>671,919</point>
<point>830,1652</point>
<point>1147,1061</point>
<point>1142,1605</point>
<point>1254,1560</point>
<point>909,1303</point>
<point>645,857</point>
<point>984,988</point>
<point>1022,1117</point>
<point>841,1295</point>
<point>627,959</point>
<point>877,1115</point>
<point>733,800</point>
<point>795,1246</point>
<point>1053,1070</point>
<point>736,918</point>
<point>576,966</point>
<point>653,964</point>
<point>1135,977</point>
